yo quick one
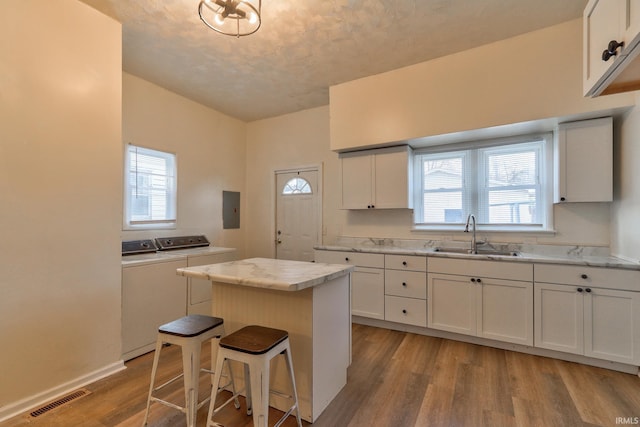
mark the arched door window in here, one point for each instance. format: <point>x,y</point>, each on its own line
<point>297,186</point>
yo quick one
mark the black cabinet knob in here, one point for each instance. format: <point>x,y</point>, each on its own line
<point>347,259</point>
<point>562,199</point>
<point>404,284</point>
<point>404,311</point>
<point>584,276</point>
<point>479,280</point>
<point>579,289</point>
<point>611,50</point>
<point>473,280</point>
<point>404,263</point>
<point>588,290</point>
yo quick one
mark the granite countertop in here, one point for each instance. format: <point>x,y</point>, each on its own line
<point>567,259</point>
<point>282,275</point>
<point>171,255</point>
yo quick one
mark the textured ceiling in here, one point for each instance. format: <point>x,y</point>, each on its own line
<point>305,46</point>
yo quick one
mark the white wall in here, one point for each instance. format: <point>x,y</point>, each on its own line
<point>60,198</point>
<point>210,149</point>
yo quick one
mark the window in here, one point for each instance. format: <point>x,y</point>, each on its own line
<point>297,186</point>
<point>150,188</point>
<point>504,183</point>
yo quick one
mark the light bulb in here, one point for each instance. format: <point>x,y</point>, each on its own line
<point>219,19</point>
<point>253,18</point>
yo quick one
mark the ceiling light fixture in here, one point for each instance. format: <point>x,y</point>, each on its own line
<point>231,17</point>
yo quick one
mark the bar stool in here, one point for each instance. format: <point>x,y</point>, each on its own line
<point>189,332</point>
<point>255,346</point>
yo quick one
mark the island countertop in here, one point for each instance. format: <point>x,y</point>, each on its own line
<point>267,273</point>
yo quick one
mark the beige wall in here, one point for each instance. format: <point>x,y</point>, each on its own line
<point>302,138</point>
<point>289,141</point>
<point>60,198</point>
<point>625,225</point>
<point>210,148</point>
<point>534,76</point>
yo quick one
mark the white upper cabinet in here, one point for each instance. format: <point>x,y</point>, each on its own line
<point>584,161</point>
<point>377,179</point>
<point>610,46</point>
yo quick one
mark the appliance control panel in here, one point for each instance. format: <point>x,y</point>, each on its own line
<point>131,247</point>
<point>181,242</point>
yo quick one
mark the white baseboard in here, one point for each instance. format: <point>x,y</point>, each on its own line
<point>16,408</point>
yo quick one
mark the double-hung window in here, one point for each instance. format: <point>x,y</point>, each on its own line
<point>505,183</point>
<point>149,188</point>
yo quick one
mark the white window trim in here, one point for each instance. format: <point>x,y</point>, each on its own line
<point>151,224</point>
<point>546,184</point>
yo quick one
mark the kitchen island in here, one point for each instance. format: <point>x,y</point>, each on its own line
<point>309,300</point>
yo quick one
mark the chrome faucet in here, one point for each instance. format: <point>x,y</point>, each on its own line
<point>474,244</point>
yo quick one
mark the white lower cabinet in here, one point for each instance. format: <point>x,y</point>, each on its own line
<point>588,311</point>
<point>489,308</point>
<point>199,290</point>
<point>495,308</point>
<point>367,292</point>
<point>367,280</point>
<point>585,317</point>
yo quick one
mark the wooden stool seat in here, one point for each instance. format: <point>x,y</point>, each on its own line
<point>190,326</point>
<point>255,346</point>
<point>254,339</point>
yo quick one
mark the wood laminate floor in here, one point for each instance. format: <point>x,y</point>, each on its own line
<point>396,379</point>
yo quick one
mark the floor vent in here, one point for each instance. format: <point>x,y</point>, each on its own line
<point>60,402</point>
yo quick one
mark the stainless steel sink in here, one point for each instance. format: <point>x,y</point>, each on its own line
<point>487,252</point>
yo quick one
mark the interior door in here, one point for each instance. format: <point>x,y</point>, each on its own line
<point>297,214</point>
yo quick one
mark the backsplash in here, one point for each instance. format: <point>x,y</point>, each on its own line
<point>546,250</point>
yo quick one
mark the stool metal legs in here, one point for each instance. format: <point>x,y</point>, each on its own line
<point>191,350</point>
<point>257,381</point>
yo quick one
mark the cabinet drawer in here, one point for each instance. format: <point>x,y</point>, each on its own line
<point>405,262</point>
<point>480,268</point>
<point>610,278</point>
<point>359,259</point>
<point>412,284</point>
<point>405,310</point>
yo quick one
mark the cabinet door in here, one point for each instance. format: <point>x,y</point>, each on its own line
<point>367,292</point>
<point>584,163</point>
<point>505,311</point>
<point>357,181</point>
<point>391,180</point>
<point>558,318</point>
<point>451,303</point>
<point>199,290</point>
<point>631,22</point>
<point>612,325</point>
<point>601,22</point>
